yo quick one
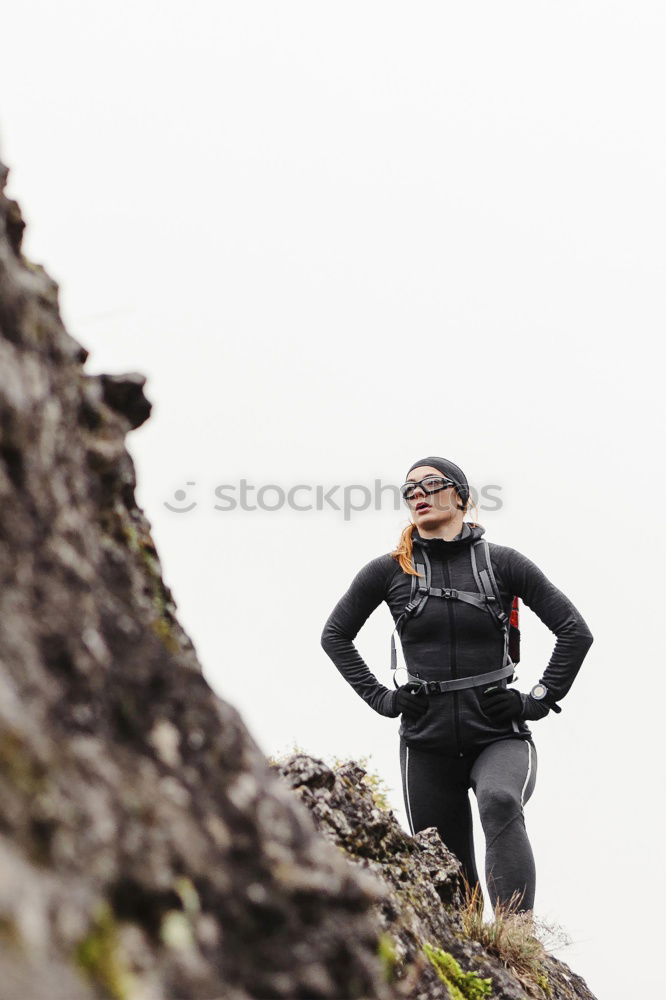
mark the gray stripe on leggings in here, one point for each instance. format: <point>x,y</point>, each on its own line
<point>409,805</point>
<point>529,771</point>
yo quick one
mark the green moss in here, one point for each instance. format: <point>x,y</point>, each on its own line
<point>98,955</point>
<point>131,535</point>
<point>388,956</point>
<point>17,763</point>
<point>145,549</point>
<point>543,981</point>
<point>461,985</point>
<point>149,557</point>
<point>163,631</point>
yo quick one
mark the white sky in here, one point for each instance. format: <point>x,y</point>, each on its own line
<point>338,237</point>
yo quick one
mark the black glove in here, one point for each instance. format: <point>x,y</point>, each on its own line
<point>533,709</point>
<point>411,701</point>
<point>502,705</point>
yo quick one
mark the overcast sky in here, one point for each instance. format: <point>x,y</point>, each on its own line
<point>339,237</point>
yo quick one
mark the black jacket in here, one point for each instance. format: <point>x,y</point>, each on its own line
<point>453,639</point>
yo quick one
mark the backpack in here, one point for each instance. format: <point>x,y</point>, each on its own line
<point>486,599</point>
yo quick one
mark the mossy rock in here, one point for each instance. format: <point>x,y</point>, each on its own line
<point>461,985</point>
<point>388,956</point>
<point>98,955</point>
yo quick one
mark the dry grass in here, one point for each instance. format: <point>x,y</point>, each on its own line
<point>519,939</point>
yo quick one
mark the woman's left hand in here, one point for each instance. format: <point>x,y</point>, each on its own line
<point>502,704</point>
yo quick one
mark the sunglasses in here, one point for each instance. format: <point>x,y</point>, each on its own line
<point>431,484</point>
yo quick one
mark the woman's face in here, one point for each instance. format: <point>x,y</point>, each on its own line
<point>431,510</point>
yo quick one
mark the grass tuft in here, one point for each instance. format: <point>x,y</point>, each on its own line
<point>518,938</point>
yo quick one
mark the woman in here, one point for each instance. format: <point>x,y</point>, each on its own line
<point>461,725</point>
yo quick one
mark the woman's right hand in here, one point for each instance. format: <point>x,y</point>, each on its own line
<point>411,700</point>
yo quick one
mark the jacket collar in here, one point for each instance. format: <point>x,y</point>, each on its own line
<point>468,534</point>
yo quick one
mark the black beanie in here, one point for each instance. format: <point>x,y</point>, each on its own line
<point>448,469</point>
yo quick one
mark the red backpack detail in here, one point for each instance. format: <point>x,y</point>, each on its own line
<point>514,632</point>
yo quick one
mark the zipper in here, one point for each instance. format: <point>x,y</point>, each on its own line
<point>454,662</point>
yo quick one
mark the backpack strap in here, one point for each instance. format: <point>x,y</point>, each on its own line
<point>426,589</point>
<point>487,584</point>
<point>418,595</point>
<point>422,583</point>
<point>486,579</point>
<point>487,599</point>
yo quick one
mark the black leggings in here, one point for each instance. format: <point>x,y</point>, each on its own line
<point>503,775</point>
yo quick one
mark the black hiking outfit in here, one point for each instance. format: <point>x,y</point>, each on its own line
<point>449,640</point>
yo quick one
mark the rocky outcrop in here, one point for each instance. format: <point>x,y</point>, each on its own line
<point>147,848</point>
<point>421,912</point>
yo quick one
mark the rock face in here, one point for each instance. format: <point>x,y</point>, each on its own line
<point>422,903</point>
<point>147,848</point>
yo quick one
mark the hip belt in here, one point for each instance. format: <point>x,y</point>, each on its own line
<point>461,683</point>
